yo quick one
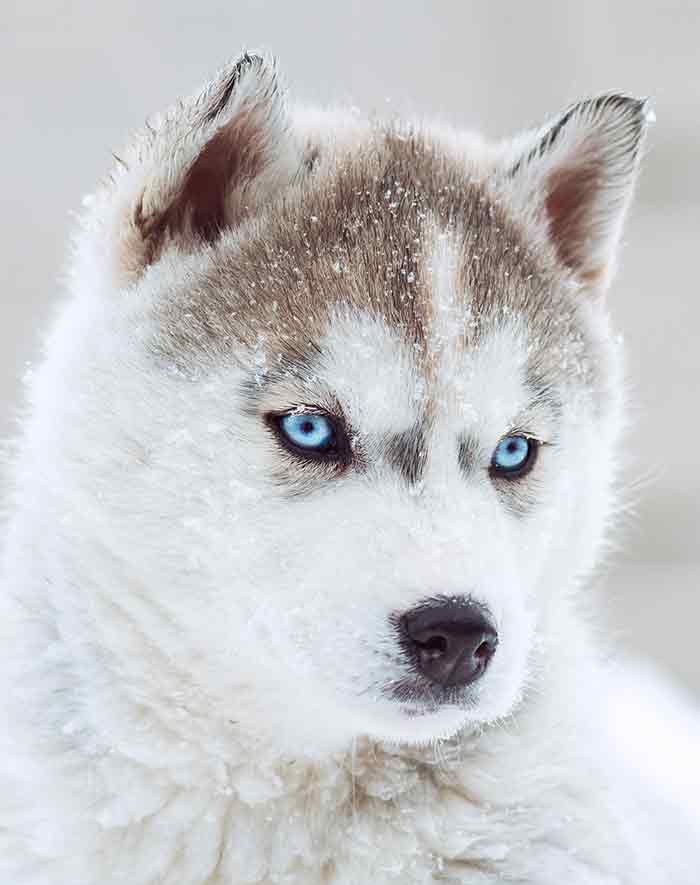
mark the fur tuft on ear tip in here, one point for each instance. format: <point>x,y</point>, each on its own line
<point>253,74</point>
<point>579,172</point>
<point>624,116</point>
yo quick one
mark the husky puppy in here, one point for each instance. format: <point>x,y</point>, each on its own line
<point>321,451</point>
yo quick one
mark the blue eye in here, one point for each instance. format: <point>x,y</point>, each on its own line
<point>514,456</point>
<point>313,433</point>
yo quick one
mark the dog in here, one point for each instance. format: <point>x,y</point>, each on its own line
<point>310,480</point>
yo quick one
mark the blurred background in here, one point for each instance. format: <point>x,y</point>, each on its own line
<point>75,77</point>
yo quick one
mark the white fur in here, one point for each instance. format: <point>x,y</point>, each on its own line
<point>192,669</point>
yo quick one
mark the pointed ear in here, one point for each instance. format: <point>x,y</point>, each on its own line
<point>204,165</point>
<point>577,175</point>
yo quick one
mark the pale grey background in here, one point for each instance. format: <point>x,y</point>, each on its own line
<point>76,76</point>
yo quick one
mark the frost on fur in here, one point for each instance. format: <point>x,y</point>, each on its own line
<point>578,172</point>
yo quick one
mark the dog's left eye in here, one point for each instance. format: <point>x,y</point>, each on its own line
<point>514,456</point>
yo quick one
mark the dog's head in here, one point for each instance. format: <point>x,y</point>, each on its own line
<point>351,397</point>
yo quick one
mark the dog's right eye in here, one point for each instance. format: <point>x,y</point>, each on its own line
<point>311,435</point>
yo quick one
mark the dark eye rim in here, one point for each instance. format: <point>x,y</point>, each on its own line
<point>515,473</point>
<point>337,451</point>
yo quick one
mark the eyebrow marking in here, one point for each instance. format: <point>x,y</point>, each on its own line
<point>300,368</point>
<point>407,452</point>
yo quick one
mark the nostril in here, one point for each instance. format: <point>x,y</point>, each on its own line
<point>486,649</point>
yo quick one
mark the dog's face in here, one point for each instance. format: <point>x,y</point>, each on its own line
<point>363,400</point>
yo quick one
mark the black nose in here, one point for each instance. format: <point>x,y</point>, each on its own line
<point>450,642</point>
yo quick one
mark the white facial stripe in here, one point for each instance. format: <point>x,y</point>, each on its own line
<point>450,312</point>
